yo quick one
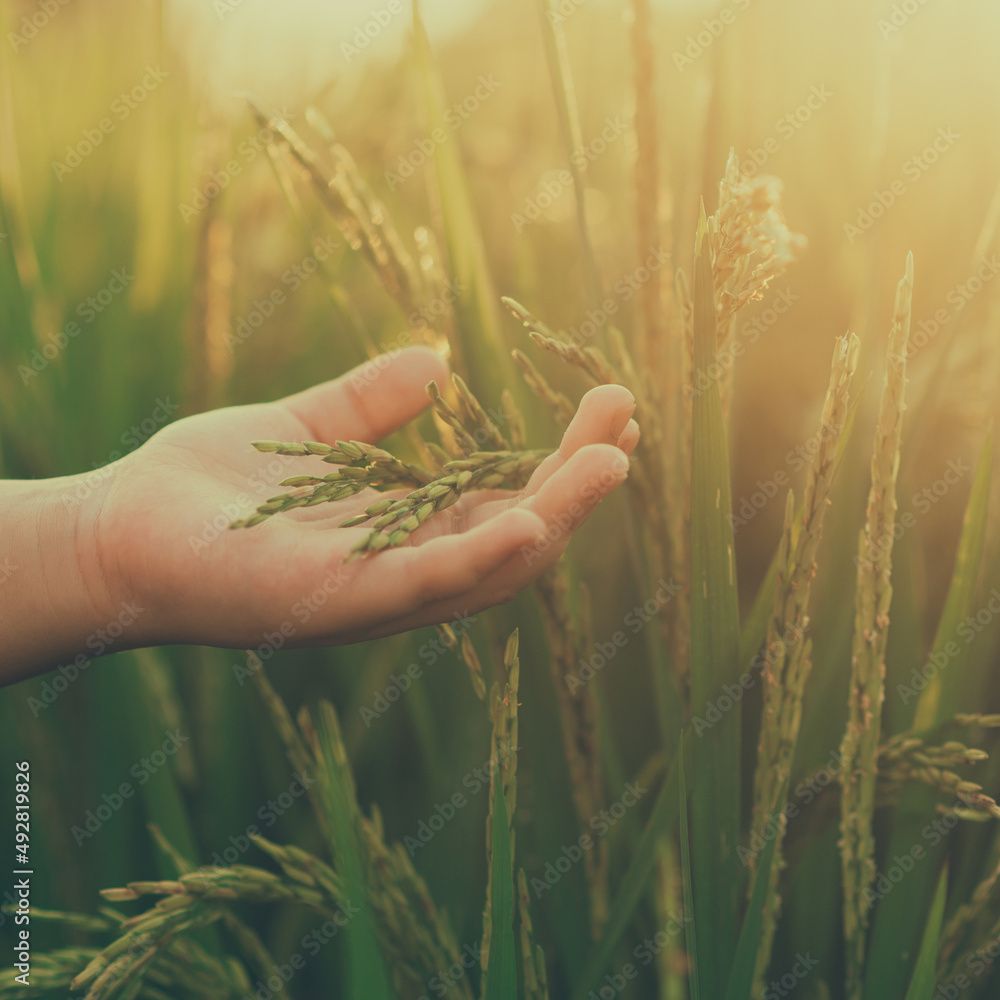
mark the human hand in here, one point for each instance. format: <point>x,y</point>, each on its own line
<point>148,524</point>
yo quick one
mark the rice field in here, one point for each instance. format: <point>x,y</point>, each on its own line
<point>740,741</point>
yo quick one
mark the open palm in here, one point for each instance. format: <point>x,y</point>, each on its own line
<point>163,542</point>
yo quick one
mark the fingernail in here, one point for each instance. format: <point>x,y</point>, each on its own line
<point>622,416</point>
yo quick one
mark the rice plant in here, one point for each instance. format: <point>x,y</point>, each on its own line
<point>750,750</point>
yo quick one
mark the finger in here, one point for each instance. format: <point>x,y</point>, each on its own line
<point>601,418</point>
<point>372,400</point>
<point>629,437</point>
<point>568,497</point>
<point>442,571</point>
<point>566,500</point>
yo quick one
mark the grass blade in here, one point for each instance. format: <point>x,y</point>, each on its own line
<point>635,882</point>
<point>939,700</point>
<point>366,969</point>
<point>690,923</point>
<point>741,978</point>
<point>923,982</point>
<point>501,974</point>
<point>715,641</point>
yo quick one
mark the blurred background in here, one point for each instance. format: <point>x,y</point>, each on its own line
<point>880,120</point>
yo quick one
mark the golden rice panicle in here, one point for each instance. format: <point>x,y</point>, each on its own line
<point>789,651</point>
<point>859,747</point>
<point>750,239</point>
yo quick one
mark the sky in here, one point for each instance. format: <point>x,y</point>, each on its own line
<point>276,48</point>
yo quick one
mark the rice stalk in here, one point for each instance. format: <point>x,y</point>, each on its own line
<point>364,466</point>
<point>859,747</point>
<point>578,714</point>
<point>654,296</point>
<point>360,216</point>
<point>536,986</point>
<point>789,663</point>
<point>910,759</point>
<point>503,768</point>
<point>558,402</point>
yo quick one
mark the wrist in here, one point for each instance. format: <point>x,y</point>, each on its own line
<point>57,599</point>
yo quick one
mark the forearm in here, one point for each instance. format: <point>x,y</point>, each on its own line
<point>53,595</point>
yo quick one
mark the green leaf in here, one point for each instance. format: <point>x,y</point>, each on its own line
<point>690,921</point>
<point>477,305</point>
<point>939,700</point>
<point>741,978</point>
<point>715,650</point>
<point>635,882</point>
<point>924,981</point>
<point>501,975</point>
<point>899,916</point>
<point>367,972</point>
